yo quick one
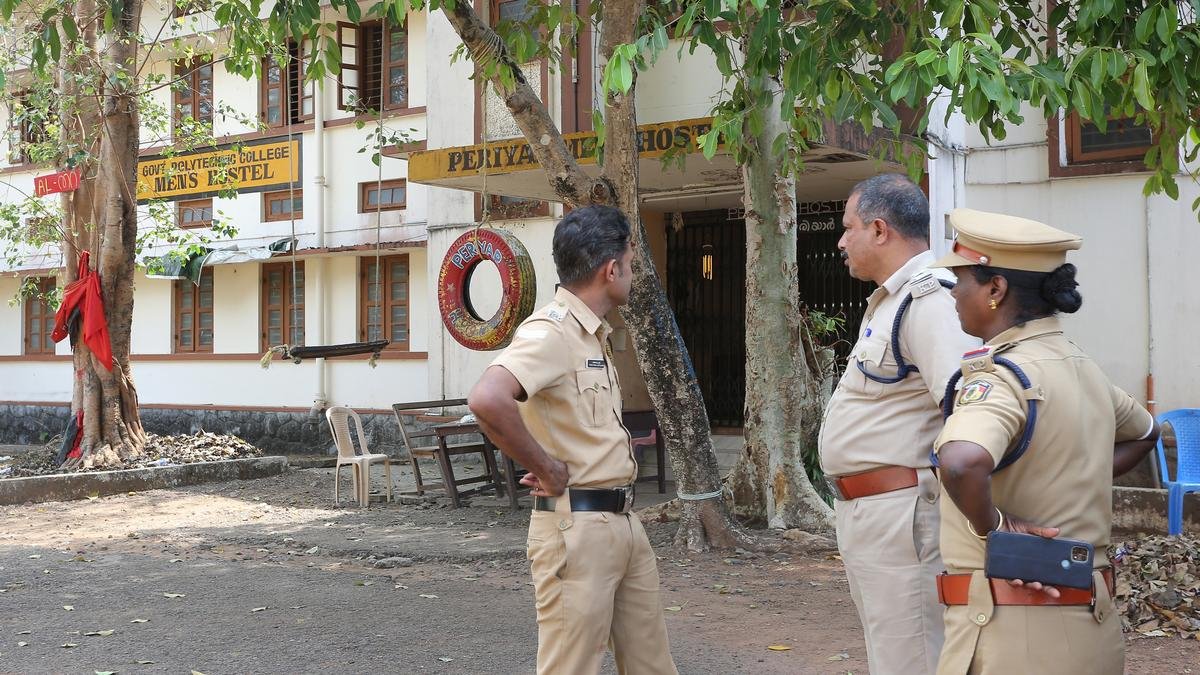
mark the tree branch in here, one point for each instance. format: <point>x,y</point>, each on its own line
<point>570,182</point>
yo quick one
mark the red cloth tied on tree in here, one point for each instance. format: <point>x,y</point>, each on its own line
<point>84,294</point>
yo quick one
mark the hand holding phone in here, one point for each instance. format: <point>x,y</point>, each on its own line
<point>1036,561</point>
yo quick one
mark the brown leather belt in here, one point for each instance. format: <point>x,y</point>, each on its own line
<point>873,482</point>
<point>953,589</point>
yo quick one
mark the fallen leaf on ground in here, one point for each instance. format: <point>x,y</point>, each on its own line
<point>838,657</point>
<point>35,556</point>
<point>140,621</point>
<point>676,608</point>
<point>105,672</point>
<point>258,609</point>
<point>445,659</point>
<point>196,672</point>
<point>779,648</point>
<point>25,632</point>
<point>101,633</point>
<point>22,644</point>
<point>144,663</point>
<point>429,595</point>
<point>69,608</point>
<point>68,645</point>
<point>173,595</point>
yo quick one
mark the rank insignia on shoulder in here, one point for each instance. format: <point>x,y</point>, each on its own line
<point>923,283</point>
<point>978,361</point>
<point>595,363</point>
<point>974,392</point>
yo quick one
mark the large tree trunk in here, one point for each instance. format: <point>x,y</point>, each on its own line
<point>783,392</point>
<point>102,218</point>
<point>662,356</point>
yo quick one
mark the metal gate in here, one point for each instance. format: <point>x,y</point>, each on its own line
<point>825,284</point>
<point>706,284</point>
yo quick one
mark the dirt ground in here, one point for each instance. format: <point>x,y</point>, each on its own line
<point>266,576</point>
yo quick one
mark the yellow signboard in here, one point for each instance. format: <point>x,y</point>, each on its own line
<point>248,167</point>
<point>512,155</point>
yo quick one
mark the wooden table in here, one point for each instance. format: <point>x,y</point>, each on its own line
<point>506,484</point>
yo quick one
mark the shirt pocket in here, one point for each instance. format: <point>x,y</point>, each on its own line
<point>595,396</point>
<point>872,354</point>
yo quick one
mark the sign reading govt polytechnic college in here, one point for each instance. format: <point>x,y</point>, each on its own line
<point>511,155</point>
<point>247,167</point>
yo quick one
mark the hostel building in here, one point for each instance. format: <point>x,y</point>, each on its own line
<point>369,241</point>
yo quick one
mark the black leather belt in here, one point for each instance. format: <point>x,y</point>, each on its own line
<point>613,500</point>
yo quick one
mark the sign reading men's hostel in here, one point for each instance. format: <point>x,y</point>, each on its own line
<point>242,167</point>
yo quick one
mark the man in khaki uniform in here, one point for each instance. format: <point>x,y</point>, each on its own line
<point>1036,456</point>
<point>552,402</point>
<point>881,422</point>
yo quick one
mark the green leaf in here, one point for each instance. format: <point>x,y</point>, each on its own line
<point>1163,27</point>
<point>353,12</point>
<point>69,27</point>
<point>954,60</point>
<point>1145,24</point>
<point>1098,68</point>
<point>1141,87</point>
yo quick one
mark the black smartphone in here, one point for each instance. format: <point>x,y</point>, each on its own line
<point>1057,562</point>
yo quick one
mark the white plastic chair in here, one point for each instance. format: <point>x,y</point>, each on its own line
<point>360,462</point>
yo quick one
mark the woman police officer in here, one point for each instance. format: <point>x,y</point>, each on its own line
<point>1036,435</point>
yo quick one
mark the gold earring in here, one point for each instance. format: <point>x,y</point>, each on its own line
<point>993,304</point>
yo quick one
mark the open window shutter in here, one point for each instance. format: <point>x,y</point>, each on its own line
<point>349,80</point>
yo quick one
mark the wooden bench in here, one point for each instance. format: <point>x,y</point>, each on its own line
<point>435,446</point>
<point>644,431</point>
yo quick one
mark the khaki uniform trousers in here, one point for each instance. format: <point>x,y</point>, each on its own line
<point>989,640</point>
<point>596,585</point>
<point>889,545</point>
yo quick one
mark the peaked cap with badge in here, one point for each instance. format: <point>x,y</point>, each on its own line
<point>1009,242</point>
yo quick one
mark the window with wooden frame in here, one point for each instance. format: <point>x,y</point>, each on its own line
<point>194,315</point>
<point>39,317</point>
<point>511,11</point>
<point>282,304</point>
<point>285,98</point>
<point>283,205</point>
<point>192,94</point>
<point>192,213</point>
<point>1122,140</point>
<point>390,195</point>
<point>374,67</point>
<point>383,301</point>
<point>25,128</point>
<point>181,8</point>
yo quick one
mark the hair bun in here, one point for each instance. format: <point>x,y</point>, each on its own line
<point>1058,289</point>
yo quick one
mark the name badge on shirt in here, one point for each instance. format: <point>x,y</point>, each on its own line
<point>595,363</point>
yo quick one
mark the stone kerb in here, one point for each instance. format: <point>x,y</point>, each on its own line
<point>69,486</point>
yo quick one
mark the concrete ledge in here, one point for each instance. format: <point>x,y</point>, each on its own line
<point>68,486</point>
<point>1145,510</point>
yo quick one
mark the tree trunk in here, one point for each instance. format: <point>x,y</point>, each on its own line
<point>102,215</point>
<point>662,356</point>
<point>783,400</point>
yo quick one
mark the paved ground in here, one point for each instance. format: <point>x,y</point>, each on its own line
<point>266,576</point>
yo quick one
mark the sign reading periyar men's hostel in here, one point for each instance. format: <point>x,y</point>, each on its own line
<point>511,155</point>
<point>244,168</point>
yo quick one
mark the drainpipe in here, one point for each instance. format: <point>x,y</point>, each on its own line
<point>1151,404</point>
<point>320,397</point>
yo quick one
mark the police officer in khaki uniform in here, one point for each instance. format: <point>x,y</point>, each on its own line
<point>882,420</point>
<point>552,402</point>
<point>1036,436</point>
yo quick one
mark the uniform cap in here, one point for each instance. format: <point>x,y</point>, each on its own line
<point>999,240</point>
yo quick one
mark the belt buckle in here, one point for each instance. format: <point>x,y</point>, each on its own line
<point>627,497</point>
<point>832,483</point>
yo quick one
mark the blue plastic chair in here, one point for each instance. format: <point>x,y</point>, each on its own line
<point>1186,424</point>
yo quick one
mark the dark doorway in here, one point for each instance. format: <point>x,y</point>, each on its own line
<point>825,284</point>
<point>706,284</point>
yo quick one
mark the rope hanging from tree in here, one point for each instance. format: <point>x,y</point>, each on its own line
<point>298,353</point>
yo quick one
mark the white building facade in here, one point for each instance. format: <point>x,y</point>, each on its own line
<point>195,348</point>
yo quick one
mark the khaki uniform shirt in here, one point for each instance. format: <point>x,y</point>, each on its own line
<point>869,424</point>
<point>562,359</point>
<point>1064,479</point>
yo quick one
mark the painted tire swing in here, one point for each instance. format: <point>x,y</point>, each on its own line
<point>517,281</point>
